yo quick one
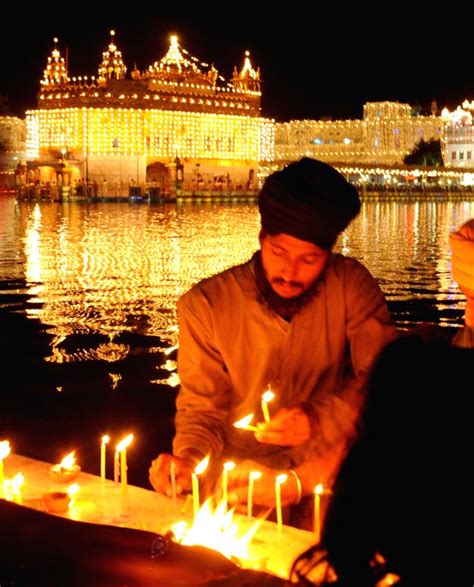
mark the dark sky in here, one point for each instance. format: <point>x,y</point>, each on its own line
<point>327,62</point>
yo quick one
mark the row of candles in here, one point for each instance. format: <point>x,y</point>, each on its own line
<point>120,470</point>
<point>253,476</point>
<point>12,487</point>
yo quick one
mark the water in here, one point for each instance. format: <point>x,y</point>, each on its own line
<point>87,307</point>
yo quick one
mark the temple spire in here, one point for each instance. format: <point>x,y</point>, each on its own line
<point>56,70</point>
<point>112,66</point>
<point>248,79</point>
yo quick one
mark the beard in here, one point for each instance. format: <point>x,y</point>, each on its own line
<point>284,307</point>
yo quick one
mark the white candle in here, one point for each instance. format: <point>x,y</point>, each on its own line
<point>225,480</point>
<point>103,444</point>
<point>122,449</point>
<point>244,424</point>
<point>318,490</point>
<point>173,479</point>
<point>267,397</point>
<point>116,466</point>
<point>253,476</point>
<point>279,480</point>
<point>200,468</point>
<point>4,452</point>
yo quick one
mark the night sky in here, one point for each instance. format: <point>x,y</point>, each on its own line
<point>323,63</point>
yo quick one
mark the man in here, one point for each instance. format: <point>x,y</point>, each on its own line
<point>297,317</point>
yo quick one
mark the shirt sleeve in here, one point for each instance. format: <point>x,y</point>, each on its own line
<point>203,399</point>
<point>336,413</point>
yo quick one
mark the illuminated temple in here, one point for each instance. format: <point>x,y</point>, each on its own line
<point>176,124</point>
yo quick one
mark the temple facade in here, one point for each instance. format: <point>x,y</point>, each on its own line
<point>177,123</point>
<point>458,143</point>
<point>387,132</point>
<point>12,149</point>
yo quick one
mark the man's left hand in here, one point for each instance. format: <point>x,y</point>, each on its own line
<point>289,427</point>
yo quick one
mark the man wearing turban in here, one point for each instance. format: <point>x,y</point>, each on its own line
<point>297,318</point>
<point>462,263</point>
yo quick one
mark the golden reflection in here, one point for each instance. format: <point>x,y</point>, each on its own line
<point>116,269</point>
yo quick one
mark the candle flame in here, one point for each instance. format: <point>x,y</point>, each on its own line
<point>268,396</point>
<point>68,461</point>
<point>229,466</point>
<point>280,479</point>
<point>105,439</point>
<point>255,475</point>
<point>318,490</point>
<point>4,448</point>
<point>217,528</point>
<point>244,422</point>
<point>202,466</point>
<point>123,444</point>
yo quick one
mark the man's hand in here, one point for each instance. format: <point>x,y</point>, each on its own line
<point>289,427</point>
<point>160,474</point>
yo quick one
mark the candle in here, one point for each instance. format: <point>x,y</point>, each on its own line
<point>4,452</point>
<point>200,468</point>
<point>122,449</point>
<point>267,397</point>
<point>279,480</point>
<point>103,444</point>
<point>244,424</point>
<point>253,476</point>
<point>318,490</point>
<point>225,480</point>
<point>66,470</point>
<point>173,479</point>
<point>116,466</point>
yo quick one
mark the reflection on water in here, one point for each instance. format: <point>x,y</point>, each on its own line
<point>114,268</point>
<point>88,293</point>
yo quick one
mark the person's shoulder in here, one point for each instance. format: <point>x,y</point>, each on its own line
<point>211,287</point>
<point>343,265</point>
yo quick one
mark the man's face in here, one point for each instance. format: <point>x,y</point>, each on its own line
<point>291,265</point>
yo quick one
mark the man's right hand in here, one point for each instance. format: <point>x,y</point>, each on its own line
<point>160,474</point>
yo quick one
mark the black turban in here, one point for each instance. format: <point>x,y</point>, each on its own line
<point>309,200</point>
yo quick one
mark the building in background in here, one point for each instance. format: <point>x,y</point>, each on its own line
<point>387,132</point>
<point>177,123</point>
<point>12,149</point>
<point>458,143</point>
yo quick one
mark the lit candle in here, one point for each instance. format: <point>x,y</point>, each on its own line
<point>4,452</point>
<point>225,480</point>
<point>116,466</point>
<point>244,424</point>
<point>68,462</point>
<point>103,444</point>
<point>279,480</point>
<point>253,476</point>
<point>200,468</point>
<point>173,479</point>
<point>122,449</point>
<point>318,490</point>
<point>267,397</point>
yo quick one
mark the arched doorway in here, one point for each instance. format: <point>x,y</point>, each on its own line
<point>158,176</point>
